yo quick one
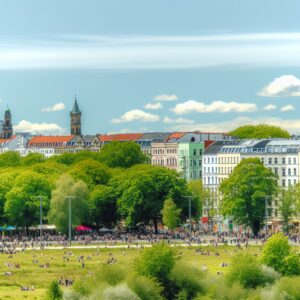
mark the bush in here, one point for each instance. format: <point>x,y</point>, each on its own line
<point>120,292</point>
<point>54,292</point>
<point>145,288</point>
<point>275,252</point>
<point>292,264</point>
<point>247,271</point>
<point>156,262</point>
<point>289,286</point>
<point>188,279</point>
<point>111,274</point>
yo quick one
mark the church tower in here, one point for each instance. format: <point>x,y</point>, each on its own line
<point>75,119</point>
<point>7,129</point>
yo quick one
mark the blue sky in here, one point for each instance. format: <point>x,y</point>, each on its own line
<point>138,65</point>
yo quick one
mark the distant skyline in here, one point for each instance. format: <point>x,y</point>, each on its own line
<point>140,66</point>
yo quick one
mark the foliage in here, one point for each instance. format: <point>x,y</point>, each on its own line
<point>124,155</point>
<point>156,262</point>
<point>244,193</point>
<point>103,206</point>
<point>188,278</point>
<point>55,292</point>
<point>145,288</point>
<point>22,204</point>
<point>10,159</point>
<point>259,132</point>
<point>142,191</point>
<point>91,172</point>
<point>59,205</point>
<point>287,205</point>
<point>276,251</point>
<point>32,159</point>
<point>111,274</point>
<point>121,292</point>
<point>199,193</point>
<point>289,286</point>
<point>292,264</point>
<point>170,214</point>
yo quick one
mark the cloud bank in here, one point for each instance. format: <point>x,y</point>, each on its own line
<point>136,115</point>
<point>39,128</point>
<point>55,107</point>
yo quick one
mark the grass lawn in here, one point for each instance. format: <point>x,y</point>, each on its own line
<point>31,274</point>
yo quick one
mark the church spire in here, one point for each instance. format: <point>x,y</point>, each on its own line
<point>75,119</point>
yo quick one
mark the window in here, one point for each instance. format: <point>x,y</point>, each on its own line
<point>290,160</point>
<point>283,182</point>
<point>289,172</point>
<point>195,152</point>
<point>276,171</point>
<point>270,160</point>
<point>283,160</point>
<point>283,171</point>
<point>275,160</point>
<point>295,161</point>
<point>262,160</point>
<point>289,182</point>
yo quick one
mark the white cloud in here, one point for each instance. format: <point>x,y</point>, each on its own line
<point>55,107</point>
<point>270,107</point>
<point>165,97</point>
<point>168,120</point>
<point>153,106</point>
<point>292,125</point>
<point>136,115</point>
<point>152,52</point>
<point>193,106</point>
<point>288,107</point>
<point>41,128</point>
<point>283,86</point>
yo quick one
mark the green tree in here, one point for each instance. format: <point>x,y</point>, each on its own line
<point>91,172</point>
<point>122,154</point>
<point>22,204</point>
<point>32,159</point>
<point>142,191</point>
<point>287,205</point>
<point>59,206</point>
<point>247,271</point>
<point>275,251</point>
<point>259,132</point>
<point>54,291</point>
<point>170,214</point>
<point>156,262</point>
<point>244,193</point>
<point>10,159</point>
<point>103,206</point>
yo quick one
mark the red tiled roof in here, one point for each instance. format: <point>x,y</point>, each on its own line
<point>7,140</point>
<point>175,135</point>
<point>120,137</point>
<point>49,140</point>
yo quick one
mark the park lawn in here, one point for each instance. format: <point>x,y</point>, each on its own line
<point>31,274</point>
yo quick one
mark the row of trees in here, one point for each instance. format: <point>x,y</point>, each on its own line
<point>116,184</point>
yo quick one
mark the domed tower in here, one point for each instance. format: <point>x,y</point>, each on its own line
<point>75,119</point>
<point>7,129</point>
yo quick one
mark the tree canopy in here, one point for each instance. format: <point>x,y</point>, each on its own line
<point>259,132</point>
<point>245,191</point>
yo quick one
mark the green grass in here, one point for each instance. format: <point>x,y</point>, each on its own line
<point>32,275</point>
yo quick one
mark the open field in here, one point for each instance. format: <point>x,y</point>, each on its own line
<point>32,274</point>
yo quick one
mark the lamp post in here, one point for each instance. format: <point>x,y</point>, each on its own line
<point>70,217</point>
<point>41,220</point>
<point>190,211</point>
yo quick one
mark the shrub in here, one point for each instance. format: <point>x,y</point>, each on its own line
<point>145,288</point>
<point>54,291</point>
<point>156,262</point>
<point>188,279</point>
<point>289,286</point>
<point>275,251</point>
<point>247,271</point>
<point>120,292</point>
<point>292,264</point>
<point>111,274</point>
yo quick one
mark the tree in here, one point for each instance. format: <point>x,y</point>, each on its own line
<point>10,159</point>
<point>287,206</point>
<point>32,159</point>
<point>103,206</point>
<point>245,191</point>
<point>22,204</point>
<point>54,292</point>
<point>124,155</point>
<point>142,191</point>
<point>59,206</point>
<point>156,262</point>
<point>247,271</point>
<point>259,132</point>
<point>91,172</point>
<point>170,214</point>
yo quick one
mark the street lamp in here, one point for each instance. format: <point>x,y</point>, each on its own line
<point>41,220</point>
<point>70,217</point>
<point>190,211</point>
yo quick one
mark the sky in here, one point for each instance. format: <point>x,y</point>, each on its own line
<point>141,66</point>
